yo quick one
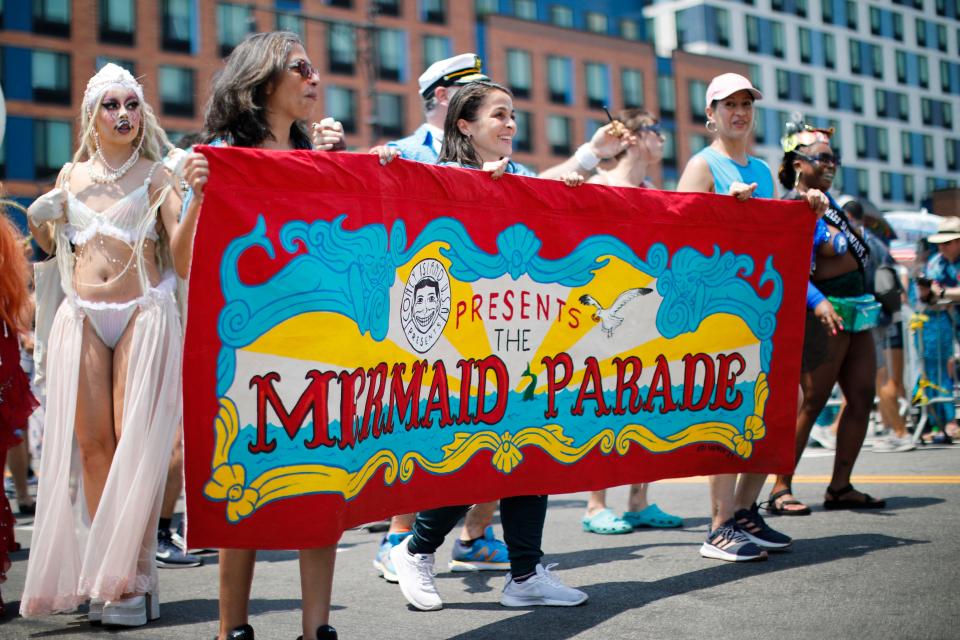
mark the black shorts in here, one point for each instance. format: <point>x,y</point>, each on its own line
<point>814,343</point>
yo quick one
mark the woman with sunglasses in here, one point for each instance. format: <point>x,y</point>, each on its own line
<point>630,170</point>
<point>737,532</point>
<point>832,351</point>
<point>265,94</point>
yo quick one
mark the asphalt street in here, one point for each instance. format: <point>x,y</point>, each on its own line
<point>884,574</point>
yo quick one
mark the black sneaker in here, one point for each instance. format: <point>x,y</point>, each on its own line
<point>728,542</point>
<point>751,523</point>
<point>170,556</point>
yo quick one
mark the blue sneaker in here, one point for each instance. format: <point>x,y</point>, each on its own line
<point>382,562</point>
<point>485,554</point>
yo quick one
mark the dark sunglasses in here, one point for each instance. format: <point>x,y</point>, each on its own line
<point>652,128</point>
<point>822,158</point>
<point>304,68</point>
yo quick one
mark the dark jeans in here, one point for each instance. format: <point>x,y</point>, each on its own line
<point>522,518</point>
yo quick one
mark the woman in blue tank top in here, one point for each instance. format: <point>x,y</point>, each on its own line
<point>737,532</point>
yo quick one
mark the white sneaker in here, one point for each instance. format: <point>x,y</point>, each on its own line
<point>131,612</point>
<point>824,437</point>
<point>893,444</point>
<point>541,589</point>
<point>415,575</point>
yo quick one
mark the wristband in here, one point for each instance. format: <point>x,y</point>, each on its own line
<point>586,157</point>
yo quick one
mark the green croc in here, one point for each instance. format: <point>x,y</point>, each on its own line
<point>652,516</point>
<point>606,523</point>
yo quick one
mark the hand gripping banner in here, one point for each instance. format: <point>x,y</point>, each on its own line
<point>365,341</point>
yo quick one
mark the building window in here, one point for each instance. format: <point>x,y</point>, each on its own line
<point>631,83</point>
<point>435,48</point>
<point>102,61</point>
<point>176,20</point>
<point>596,22</point>
<point>176,91</point>
<point>667,96</point>
<point>52,141</point>
<point>844,96</point>
<point>560,79</point>
<point>485,7</point>
<point>872,142</point>
<point>390,54</point>
<point>433,11</point>
<point>51,77</point>
<point>118,19</point>
<point>669,148</point>
<point>558,135</point>
<point>341,48</point>
<point>292,22</point>
<point>525,9</point>
<point>793,86</point>
<point>234,22</point>
<point>387,7</point>
<point>697,93</point>
<point>629,29</point>
<point>953,154</point>
<point>703,23</point>
<point>766,36</point>
<point>519,74</point>
<point>389,118</point>
<point>892,104</point>
<point>523,140</point>
<point>341,104</point>
<point>50,17</point>
<point>343,4</point>
<point>561,16</point>
<point>598,85</point>
<point>936,113</point>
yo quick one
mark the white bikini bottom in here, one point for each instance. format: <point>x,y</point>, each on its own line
<point>110,319</point>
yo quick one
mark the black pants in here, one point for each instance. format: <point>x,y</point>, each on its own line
<point>522,519</point>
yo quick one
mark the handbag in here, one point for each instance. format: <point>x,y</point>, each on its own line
<point>858,313</point>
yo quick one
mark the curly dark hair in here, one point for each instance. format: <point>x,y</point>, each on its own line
<point>464,105</point>
<point>236,110</point>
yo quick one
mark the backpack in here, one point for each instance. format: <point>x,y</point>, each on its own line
<point>887,288</point>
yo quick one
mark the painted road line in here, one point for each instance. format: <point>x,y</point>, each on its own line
<point>857,479</point>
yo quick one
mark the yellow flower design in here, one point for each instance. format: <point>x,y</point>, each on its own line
<point>507,456</point>
<point>227,483</point>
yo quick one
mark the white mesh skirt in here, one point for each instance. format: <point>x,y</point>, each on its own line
<point>71,559</point>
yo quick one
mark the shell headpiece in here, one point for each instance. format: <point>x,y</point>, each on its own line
<point>111,75</point>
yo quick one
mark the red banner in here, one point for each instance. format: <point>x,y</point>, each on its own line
<point>364,341</point>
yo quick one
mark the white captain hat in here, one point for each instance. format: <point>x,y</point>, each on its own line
<point>456,70</point>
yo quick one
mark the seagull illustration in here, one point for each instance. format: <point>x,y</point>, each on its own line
<point>609,318</point>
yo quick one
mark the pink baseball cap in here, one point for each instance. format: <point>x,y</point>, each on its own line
<point>727,84</point>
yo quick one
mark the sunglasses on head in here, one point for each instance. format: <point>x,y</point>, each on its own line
<point>822,158</point>
<point>652,128</point>
<point>302,67</point>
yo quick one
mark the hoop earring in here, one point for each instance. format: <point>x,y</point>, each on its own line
<point>711,122</point>
<point>796,181</point>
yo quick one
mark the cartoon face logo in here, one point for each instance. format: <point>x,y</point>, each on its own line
<point>426,304</point>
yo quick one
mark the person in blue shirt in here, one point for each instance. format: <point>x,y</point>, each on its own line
<point>939,287</point>
<point>737,532</point>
